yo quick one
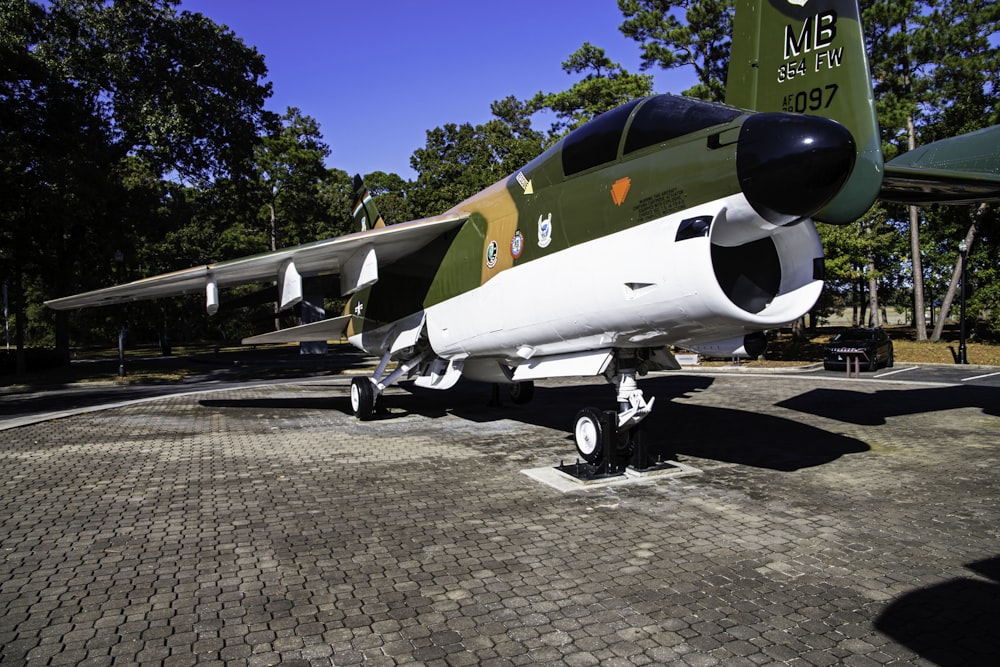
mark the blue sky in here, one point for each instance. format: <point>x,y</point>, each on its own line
<point>378,75</point>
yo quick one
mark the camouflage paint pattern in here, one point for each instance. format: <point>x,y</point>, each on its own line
<point>539,211</point>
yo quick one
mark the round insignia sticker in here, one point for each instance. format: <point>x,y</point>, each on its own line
<point>517,244</point>
<point>492,250</point>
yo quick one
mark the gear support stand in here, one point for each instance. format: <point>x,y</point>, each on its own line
<point>613,441</point>
<point>620,452</point>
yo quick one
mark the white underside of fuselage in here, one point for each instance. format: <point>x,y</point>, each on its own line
<point>637,288</point>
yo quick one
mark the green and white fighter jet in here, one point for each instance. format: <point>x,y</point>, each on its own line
<point>665,222</point>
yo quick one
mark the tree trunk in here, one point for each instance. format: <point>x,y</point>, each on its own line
<point>919,321</point>
<point>856,310</point>
<point>62,337</point>
<point>799,329</point>
<point>872,283</point>
<point>20,362</point>
<point>859,287</point>
<point>918,269</point>
<point>956,274</point>
<point>873,311</point>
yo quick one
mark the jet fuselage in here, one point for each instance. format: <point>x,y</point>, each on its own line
<point>664,221</point>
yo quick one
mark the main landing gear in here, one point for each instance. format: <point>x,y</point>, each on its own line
<point>607,438</point>
<point>365,391</point>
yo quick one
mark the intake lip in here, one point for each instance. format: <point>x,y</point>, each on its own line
<point>791,165</point>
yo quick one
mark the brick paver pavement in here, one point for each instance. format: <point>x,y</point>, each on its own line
<point>833,523</point>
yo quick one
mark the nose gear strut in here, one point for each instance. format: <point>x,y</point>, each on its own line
<point>366,391</point>
<point>592,432</point>
<point>632,405</point>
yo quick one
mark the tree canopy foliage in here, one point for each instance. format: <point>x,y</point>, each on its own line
<point>134,140</point>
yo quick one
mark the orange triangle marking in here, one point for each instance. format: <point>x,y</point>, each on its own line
<point>620,190</point>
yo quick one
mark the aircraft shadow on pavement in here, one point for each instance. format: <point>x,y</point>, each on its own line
<point>730,434</point>
<point>298,403</point>
<point>953,623</point>
<point>866,409</point>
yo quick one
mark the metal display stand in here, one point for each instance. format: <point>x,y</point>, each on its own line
<point>617,456</point>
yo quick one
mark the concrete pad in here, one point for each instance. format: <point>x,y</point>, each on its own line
<point>564,482</point>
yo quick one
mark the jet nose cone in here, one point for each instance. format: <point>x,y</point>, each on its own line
<point>790,166</point>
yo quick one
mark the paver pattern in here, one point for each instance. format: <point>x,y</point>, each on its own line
<point>834,523</point>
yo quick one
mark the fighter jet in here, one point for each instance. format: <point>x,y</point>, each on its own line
<point>666,222</point>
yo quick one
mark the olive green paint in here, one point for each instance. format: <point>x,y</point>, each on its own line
<point>811,59</point>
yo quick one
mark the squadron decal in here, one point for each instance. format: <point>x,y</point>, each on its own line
<point>492,250</point>
<point>517,244</point>
<point>544,231</point>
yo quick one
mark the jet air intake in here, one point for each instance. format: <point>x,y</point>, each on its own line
<point>790,166</point>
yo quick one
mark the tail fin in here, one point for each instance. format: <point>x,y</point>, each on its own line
<point>364,211</point>
<point>808,56</point>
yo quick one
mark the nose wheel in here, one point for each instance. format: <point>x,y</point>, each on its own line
<point>596,437</point>
<point>608,439</point>
<point>589,435</point>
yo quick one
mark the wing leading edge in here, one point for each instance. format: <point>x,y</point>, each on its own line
<point>384,245</point>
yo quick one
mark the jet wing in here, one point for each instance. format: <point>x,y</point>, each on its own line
<point>960,170</point>
<point>330,256</point>
<point>322,331</point>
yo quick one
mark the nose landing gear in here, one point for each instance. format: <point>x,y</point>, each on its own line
<point>612,440</point>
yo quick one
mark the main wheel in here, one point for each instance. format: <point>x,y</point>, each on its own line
<point>589,434</point>
<point>521,392</point>
<point>362,398</point>
<point>892,359</point>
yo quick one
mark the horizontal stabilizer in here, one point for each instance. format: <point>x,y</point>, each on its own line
<point>960,170</point>
<point>322,331</point>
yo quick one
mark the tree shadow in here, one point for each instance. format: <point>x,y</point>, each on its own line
<point>953,623</point>
<point>867,409</point>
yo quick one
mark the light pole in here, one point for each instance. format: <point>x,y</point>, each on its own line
<point>963,250</point>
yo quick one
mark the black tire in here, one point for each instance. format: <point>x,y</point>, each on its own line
<point>873,364</point>
<point>828,367</point>
<point>588,433</point>
<point>892,359</point>
<point>362,398</point>
<point>521,392</point>
<point>631,439</point>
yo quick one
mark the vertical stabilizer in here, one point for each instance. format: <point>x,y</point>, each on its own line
<point>364,211</point>
<point>808,56</point>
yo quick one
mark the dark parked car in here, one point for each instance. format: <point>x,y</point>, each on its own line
<point>871,346</point>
